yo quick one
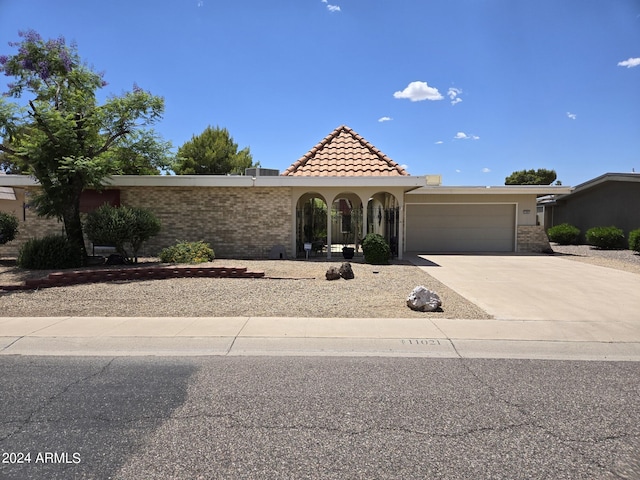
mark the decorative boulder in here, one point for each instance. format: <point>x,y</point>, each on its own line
<point>423,300</point>
<point>333,274</point>
<point>346,271</point>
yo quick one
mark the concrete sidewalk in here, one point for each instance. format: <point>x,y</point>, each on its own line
<point>400,337</point>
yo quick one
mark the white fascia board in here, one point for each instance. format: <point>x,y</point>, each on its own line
<point>497,190</point>
<point>342,182</point>
<point>17,181</point>
<point>179,181</point>
<point>266,181</point>
<point>407,182</point>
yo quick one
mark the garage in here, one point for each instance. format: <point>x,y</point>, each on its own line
<point>460,227</point>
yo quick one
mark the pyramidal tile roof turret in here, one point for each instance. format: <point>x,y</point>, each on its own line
<point>344,153</point>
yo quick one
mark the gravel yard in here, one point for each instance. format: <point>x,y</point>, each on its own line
<point>626,260</point>
<point>292,289</point>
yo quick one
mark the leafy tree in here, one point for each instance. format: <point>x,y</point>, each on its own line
<point>141,153</point>
<point>213,152</point>
<point>59,133</point>
<point>542,176</point>
<point>8,227</point>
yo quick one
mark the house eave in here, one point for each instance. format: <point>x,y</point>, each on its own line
<point>406,182</point>
<point>494,190</point>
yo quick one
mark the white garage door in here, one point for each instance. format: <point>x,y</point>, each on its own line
<point>460,228</point>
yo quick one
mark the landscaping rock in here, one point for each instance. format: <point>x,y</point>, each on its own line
<point>333,274</point>
<point>423,300</point>
<point>346,271</point>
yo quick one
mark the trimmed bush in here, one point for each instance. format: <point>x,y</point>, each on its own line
<point>606,238</point>
<point>376,249</point>
<point>48,253</point>
<point>8,227</point>
<point>126,228</point>
<point>563,234</point>
<point>187,252</point>
<point>634,240</point>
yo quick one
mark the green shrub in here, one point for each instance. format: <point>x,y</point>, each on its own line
<point>376,249</point>
<point>8,227</point>
<point>126,228</point>
<point>606,238</point>
<point>634,240</point>
<point>563,234</point>
<point>48,253</point>
<point>187,252</point>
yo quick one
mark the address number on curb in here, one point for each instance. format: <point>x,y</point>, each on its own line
<point>421,341</point>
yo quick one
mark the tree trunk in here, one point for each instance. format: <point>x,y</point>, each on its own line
<point>73,226</point>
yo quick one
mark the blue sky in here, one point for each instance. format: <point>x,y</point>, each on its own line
<point>469,89</point>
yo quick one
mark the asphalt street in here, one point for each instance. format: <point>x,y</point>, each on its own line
<point>318,417</point>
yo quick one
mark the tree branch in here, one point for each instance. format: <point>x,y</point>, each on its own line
<point>6,149</point>
<point>112,139</point>
<point>40,122</point>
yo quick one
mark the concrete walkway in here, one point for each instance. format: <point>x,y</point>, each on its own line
<point>544,308</point>
<point>403,337</point>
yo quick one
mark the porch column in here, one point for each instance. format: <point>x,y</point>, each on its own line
<point>329,207</point>
<point>400,228</point>
<point>365,219</point>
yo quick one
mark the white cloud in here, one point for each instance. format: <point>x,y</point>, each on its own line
<point>453,95</point>
<point>324,1</point>
<point>458,170</point>
<point>464,136</point>
<point>572,116</point>
<point>486,170</point>
<point>333,8</point>
<point>439,142</point>
<point>385,119</point>
<point>632,62</point>
<point>406,167</point>
<point>419,91</point>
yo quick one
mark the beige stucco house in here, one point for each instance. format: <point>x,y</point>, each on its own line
<point>335,194</point>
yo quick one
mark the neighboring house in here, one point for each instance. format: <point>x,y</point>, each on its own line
<point>612,199</point>
<point>335,194</point>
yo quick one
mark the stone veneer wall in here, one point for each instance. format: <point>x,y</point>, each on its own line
<point>532,239</point>
<point>240,222</point>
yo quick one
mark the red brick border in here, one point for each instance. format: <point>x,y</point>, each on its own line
<point>76,277</point>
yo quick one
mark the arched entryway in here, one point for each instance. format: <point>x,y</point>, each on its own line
<point>383,218</point>
<point>346,222</point>
<point>311,224</point>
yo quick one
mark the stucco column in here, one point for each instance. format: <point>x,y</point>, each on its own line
<point>365,219</point>
<point>329,206</point>
<point>400,228</point>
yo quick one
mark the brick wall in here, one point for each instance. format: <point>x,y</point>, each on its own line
<point>30,225</point>
<point>237,222</point>
<point>532,239</point>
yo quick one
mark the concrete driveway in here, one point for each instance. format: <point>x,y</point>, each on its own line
<point>538,287</point>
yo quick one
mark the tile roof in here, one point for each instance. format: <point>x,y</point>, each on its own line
<point>344,153</point>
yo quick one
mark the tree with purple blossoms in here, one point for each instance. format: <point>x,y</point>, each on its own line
<point>59,133</point>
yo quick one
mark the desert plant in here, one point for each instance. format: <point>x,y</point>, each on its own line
<point>563,234</point>
<point>634,240</point>
<point>187,252</point>
<point>50,252</point>
<point>376,250</point>
<point>123,227</point>
<point>606,238</point>
<point>8,227</point>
